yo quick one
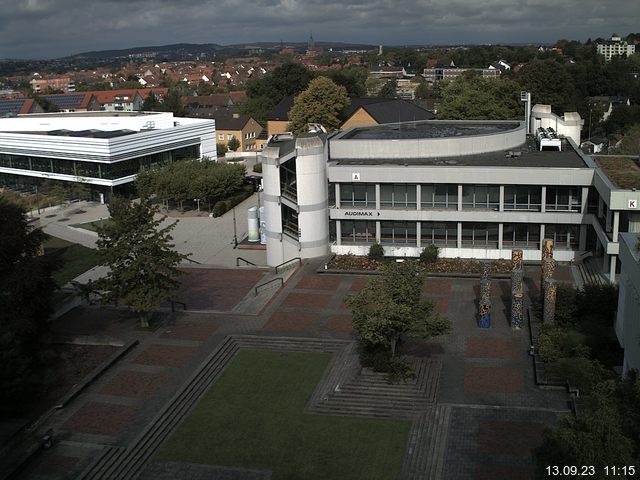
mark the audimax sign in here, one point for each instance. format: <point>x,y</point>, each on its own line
<point>360,213</point>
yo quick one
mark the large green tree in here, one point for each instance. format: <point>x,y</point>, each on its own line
<point>26,290</point>
<point>631,142</point>
<point>322,102</point>
<point>143,266</point>
<point>470,97</point>
<point>549,83</point>
<point>392,305</point>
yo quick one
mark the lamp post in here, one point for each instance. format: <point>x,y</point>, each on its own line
<point>235,233</point>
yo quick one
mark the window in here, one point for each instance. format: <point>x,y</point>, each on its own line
<point>563,199</point>
<point>522,197</point>
<point>481,197</point>
<point>565,237</point>
<point>480,235</point>
<point>290,222</point>
<point>442,196</point>
<point>229,136</point>
<point>355,231</point>
<point>524,235</point>
<point>357,195</point>
<point>443,234</point>
<point>398,195</point>
<point>398,233</point>
<point>288,180</point>
<point>221,136</point>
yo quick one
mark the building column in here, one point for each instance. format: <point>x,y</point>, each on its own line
<point>418,234</point>
<point>378,231</point>
<point>459,197</point>
<point>459,239</point>
<point>501,204</point>
<point>337,192</point>
<point>500,232</point>
<point>600,206</point>
<point>418,198</point>
<point>541,235</point>
<point>585,200</point>
<point>378,203</point>
<point>616,225</point>
<point>543,200</point>
<point>338,232</point>
<point>608,221</point>
<point>582,242</point>
<point>612,269</point>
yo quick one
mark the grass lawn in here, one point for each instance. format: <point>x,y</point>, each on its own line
<point>93,226</point>
<point>252,417</point>
<point>72,258</point>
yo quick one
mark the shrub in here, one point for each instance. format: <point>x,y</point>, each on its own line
<point>429,254</point>
<point>219,208</point>
<point>257,168</point>
<point>555,343</point>
<point>376,252</point>
<point>582,373</point>
<point>379,359</point>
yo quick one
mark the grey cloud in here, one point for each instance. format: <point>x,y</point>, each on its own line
<point>41,28</point>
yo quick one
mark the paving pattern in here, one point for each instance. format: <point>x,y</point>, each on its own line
<point>476,411</point>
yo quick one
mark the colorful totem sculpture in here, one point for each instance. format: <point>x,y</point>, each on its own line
<point>484,310</point>
<point>517,289</point>
<point>549,307</point>
<point>547,255</point>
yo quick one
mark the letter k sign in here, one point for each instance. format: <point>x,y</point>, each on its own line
<point>633,203</point>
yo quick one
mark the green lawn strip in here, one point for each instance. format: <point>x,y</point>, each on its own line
<point>71,258</point>
<point>253,418</point>
<point>93,226</point>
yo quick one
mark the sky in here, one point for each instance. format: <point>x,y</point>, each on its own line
<point>57,28</point>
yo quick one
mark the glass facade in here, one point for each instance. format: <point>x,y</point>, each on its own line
<point>565,237</point>
<point>355,231</point>
<point>480,235</point>
<point>104,170</point>
<point>398,233</point>
<point>358,195</point>
<point>398,195</point>
<point>521,235</point>
<point>522,197</point>
<point>439,196</point>
<point>480,197</point>
<point>563,199</point>
<point>443,234</point>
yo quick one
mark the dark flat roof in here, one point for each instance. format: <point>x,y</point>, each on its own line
<point>438,129</point>
<point>529,157</point>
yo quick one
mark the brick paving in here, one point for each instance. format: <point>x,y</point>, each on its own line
<point>130,383</point>
<point>101,418</point>
<point>486,382</point>
<point>165,355</point>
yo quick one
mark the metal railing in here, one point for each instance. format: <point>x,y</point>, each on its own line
<point>265,284</point>
<point>239,259</point>
<point>288,264</point>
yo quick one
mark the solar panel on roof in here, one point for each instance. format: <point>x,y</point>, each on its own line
<point>11,106</point>
<point>66,102</point>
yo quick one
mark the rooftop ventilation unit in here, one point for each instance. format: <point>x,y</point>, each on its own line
<point>547,139</point>
<point>316,128</point>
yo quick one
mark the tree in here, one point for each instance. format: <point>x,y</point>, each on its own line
<point>470,97</point>
<point>631,141</point>
<point>322,102</point>
<point>388,90</point>
<point>351,78</point>
<point>233,144</point>
<point>142,263</point>
<point>549,83</point>
<point>391,305</point>
<point>26,290</point>
<point>221,149</point>
<point>151,103</point>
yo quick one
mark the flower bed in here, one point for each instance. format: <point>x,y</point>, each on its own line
<point>442,265</point>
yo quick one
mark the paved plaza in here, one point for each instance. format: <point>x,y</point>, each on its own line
<point>480,416</point>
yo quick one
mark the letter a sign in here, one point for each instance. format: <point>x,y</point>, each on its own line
<point>355,177</point>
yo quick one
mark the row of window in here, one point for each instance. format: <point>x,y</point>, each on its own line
<point>445,234</point>
<point>109,171</point>
<point>445,196</point>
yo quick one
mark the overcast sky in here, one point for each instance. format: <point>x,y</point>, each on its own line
<point>56,28</point>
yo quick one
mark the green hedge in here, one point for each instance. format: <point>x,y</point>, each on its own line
<point>223,206</point>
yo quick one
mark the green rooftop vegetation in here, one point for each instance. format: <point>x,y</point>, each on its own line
<point>253,418</point>
<point>624,172</point>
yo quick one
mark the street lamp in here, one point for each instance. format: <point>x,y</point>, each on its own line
<point>235,232</point>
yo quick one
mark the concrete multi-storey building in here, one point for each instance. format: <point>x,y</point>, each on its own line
<point>476,189</point>
<point>102,149</point>
<point>615,47</point>
<point>628,320</point>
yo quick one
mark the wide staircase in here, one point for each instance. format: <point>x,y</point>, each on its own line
<point>590,272</point>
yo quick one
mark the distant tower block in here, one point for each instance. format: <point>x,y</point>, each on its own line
<point>380,50</point>
<point>516,260</point>
<point>549,308</point>
<point>485,315</point>
<point>517,309</point>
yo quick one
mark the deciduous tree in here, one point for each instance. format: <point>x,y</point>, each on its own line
<point>138,251</point>
<point>322,102</point>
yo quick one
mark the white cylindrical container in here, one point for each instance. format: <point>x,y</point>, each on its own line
<point>252,225</point>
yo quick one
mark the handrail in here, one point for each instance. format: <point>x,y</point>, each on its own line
<point>193,261</point>
<point>245,261</point>
<point>289,261</point>
<point>269,282</point>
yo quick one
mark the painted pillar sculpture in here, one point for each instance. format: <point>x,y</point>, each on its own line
<point>517,289</point>
<point>549,308</point>
<point>484,309</point>
<point>547,254</point>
